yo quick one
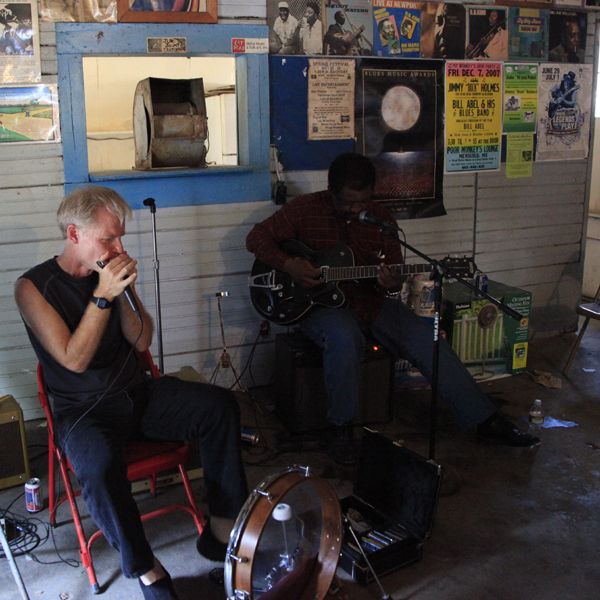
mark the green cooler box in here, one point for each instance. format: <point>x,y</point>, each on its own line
<point>488,341</point>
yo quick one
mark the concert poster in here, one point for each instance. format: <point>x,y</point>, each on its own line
<point>519,155</point>
<point>443,30</point>
<point>396,28</point>
<point>520,97</point>
<point>528,31</point>
<point>349,30</point>
<point>487,33</point>
<point>330,99</point>
<point>565,97</point>
<point>473,116</point>
<point>566,37</point>
<point>399,125</point>
<point>19,42</point>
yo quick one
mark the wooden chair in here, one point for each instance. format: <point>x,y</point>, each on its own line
<point>145,460</point>
<point>590,310</point>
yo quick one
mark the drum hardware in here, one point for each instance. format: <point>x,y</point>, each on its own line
<point>286,540</point>
<point>151,203</point>
<point>359,547</point>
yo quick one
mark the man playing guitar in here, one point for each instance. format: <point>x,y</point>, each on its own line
<point>341,41</point>
<point>329,218</point>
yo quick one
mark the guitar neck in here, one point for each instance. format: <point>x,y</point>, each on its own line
<point>370,271</point>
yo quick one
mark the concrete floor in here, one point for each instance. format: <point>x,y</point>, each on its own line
<point>510,524</point>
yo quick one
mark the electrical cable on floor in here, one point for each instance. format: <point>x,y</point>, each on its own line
<point>25,534</point>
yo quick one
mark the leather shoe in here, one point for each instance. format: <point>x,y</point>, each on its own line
<point>161,589</point>
<point>209,546</point>
<point>498,429</point>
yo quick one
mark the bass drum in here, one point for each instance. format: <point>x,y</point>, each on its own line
<point>286,540</point>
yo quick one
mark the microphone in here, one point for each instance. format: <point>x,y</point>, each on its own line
<point>151,203</point>
<point>126,292</point>
<point>129,297</point>
<point>365,217</point>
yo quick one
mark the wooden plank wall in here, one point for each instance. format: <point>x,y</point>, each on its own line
<point>525,232</point>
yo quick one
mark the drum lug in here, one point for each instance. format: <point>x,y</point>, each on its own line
<point>238,559</point>
<point>267,495</point>
<point>306,469</point>
<point>240,595</point>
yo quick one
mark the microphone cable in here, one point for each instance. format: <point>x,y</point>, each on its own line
<point>103,395</point>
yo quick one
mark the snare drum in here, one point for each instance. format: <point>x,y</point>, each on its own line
<point>286,540</point>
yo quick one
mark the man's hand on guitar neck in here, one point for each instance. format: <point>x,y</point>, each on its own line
<point>388,279</point>
<point>302,272</point>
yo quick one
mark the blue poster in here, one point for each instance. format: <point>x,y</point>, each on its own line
<point>397,28</point>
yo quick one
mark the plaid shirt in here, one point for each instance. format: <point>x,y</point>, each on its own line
<point>313,220</point>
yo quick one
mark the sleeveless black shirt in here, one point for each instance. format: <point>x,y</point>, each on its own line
<point>114,367</point>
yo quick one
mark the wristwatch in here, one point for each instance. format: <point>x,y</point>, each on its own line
<point>101,302</point>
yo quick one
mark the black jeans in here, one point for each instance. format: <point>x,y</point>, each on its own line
<point>159,409</point>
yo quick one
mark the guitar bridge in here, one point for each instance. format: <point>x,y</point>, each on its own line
<point>265,280</point>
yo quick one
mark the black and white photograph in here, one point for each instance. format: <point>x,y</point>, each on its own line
<point>295,27</point>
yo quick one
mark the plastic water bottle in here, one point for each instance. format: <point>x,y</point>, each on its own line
<point>536,413</point>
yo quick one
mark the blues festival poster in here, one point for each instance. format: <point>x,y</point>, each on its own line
<point>399,125</point>
<point>565,98</point>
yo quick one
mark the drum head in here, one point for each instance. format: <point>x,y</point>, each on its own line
<point>286,540</point>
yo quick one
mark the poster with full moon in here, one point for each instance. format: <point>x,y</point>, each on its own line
<point>399,125</point>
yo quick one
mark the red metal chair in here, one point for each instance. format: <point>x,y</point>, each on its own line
<point>145,460</point>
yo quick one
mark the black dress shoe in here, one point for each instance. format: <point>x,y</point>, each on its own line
<point>498,429</point>
<point>160,590</point>
<point>209,546</point>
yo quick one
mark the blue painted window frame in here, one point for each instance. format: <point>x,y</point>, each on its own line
<point>249,181</point>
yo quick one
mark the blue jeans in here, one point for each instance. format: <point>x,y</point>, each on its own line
<point>341,336</point>
<point>159,409</point>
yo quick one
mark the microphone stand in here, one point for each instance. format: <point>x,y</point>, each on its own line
<point>441,269</point>
<point>150,202</point>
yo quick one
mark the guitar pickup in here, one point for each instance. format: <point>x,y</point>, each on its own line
<point>265,280</point>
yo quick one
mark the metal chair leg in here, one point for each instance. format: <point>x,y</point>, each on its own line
<point>575,346</point>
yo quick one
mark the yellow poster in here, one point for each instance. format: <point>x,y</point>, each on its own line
<point>473,116</point>
<point>519,155</point>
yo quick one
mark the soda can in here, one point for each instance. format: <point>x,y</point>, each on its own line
<point>33,496</point>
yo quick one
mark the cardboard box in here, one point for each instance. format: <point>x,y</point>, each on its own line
<point>487,341</point>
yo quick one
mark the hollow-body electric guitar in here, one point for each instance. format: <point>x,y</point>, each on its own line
<point>278,298</point>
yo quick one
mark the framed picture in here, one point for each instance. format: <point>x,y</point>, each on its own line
<point>167,11</point>
<point>29,113</point>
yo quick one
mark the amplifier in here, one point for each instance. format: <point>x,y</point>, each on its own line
<point>14,466</point>
<point>301,400</point>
